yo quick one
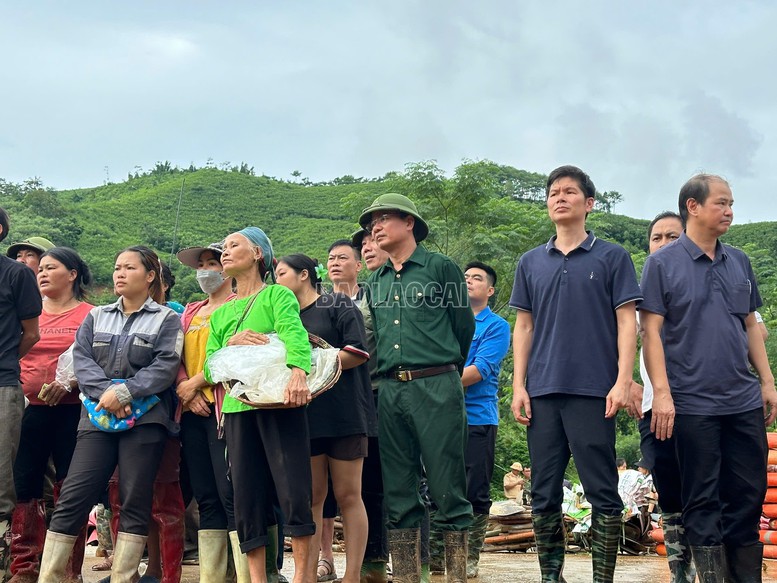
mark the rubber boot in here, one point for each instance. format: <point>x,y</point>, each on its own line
<point>28,532</point>
<point>212,546</point>
<point>167,510</point>
<point>373,572</point>
<point>5,545</point>
<point>477,534</point>
<point>436,550</point>
<point>745,563</point>
<point>678,551</point>
<point>405,548</point>
<point>605,536</point>
<point>271,554</point>
<point>426,576</point>
<point>56,553</point>
<point>551,539</point>
<point>76,562</point>
<point>710,563</point>
<point>456,556</point>
<point>129,551</point>
<point>242,574</point>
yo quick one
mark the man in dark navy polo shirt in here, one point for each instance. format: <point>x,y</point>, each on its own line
<point>700,298</point>
<point>574,346</point>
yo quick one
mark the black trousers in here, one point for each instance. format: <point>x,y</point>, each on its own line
<point>205,456</point>
<point>137,452</point>
<point>372,496</point>
<point>661,457</point>
<point>723,472</point>
<point>46,432</point>
<point>269,457</point>
<point>564,424</point>
<point>479,461</point>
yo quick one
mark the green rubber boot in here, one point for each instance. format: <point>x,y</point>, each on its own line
<point>678,551</point>
<point>477,534</point>
<point>605,536</point>
<point>551,540</point>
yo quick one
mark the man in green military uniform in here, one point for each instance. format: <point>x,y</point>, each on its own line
<point>423,329</point>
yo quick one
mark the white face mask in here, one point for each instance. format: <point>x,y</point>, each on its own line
<point>210,281</point>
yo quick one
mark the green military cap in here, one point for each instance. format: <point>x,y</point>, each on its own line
<point>396,202</point>
<point>39,244</point>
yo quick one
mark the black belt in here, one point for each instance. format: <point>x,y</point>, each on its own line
<point>411,375</point>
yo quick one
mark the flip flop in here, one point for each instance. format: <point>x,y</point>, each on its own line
<point>325,571</point>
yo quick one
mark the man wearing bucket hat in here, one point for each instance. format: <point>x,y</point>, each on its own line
<point>423,330</point>
<point>513,483</point>
<point>29,251</point>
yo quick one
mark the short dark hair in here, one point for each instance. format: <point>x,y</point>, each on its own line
<point>151,262</point>
<point>72,262</point>
<point>490,273</point>
<point>346,243</point>
<point>661,217</point>
<point>697,188</point>
<point>300,262</point>
<point>5,223</point>
<point>568,171</point>
<point>620,462</point>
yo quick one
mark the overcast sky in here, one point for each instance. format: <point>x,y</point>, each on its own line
<point>640,95</point>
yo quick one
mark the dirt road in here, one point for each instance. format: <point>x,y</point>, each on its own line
<point>509,568</point>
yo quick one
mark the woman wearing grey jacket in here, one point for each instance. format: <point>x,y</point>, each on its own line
<point>126,358</point>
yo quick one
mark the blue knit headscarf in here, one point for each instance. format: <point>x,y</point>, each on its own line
<point>261,240</point>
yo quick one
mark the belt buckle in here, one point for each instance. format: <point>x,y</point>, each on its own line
<point>404,376</point>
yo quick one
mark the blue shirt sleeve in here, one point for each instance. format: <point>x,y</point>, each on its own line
<point>491,349</point>
<point>653,288</point>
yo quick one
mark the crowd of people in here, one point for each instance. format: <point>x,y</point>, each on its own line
<point>122,399</point>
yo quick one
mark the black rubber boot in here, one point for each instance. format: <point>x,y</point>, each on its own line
<point>745,563</point>
<point>710,563</point>
<point>551,540</point>
<point>405,548</point>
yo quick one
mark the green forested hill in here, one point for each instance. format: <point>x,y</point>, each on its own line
<point>482,211</point>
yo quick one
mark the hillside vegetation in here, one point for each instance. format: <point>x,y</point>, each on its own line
<point>482,211</point>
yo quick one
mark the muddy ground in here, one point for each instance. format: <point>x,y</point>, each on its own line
<point>506,568</point>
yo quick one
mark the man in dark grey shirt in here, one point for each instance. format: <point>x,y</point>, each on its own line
<point>700,339</point>
<point>20,306</point>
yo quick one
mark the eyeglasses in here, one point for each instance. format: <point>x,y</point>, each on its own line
<point>381,220</point>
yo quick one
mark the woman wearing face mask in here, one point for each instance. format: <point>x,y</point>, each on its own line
<point>340,420</point>
<point>126,357</point>
<point>201,403</point>
<point>50,423</point>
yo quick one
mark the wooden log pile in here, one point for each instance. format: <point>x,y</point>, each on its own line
<point>509,528</point>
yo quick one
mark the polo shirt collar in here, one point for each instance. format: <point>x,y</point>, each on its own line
<point>118,306</point>
<point>485,313</point>
<point>419,256</point>
<point>585,245</point>
<point>695,251</point>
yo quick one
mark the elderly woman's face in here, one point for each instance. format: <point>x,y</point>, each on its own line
<point>239,255</point>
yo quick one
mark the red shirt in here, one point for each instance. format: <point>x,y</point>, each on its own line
<point>57,333</point>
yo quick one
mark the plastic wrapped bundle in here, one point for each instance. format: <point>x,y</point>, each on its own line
<point>258,375</point>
